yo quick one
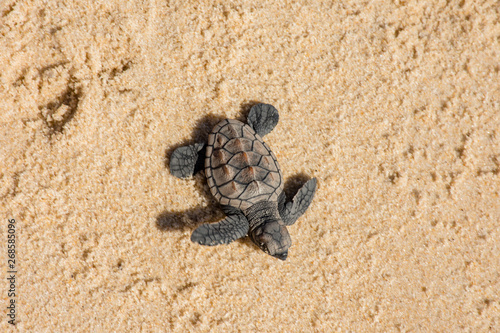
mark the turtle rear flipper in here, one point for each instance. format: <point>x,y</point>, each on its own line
<point>223,232</point>
<point>188,160</point>
<point>292,210</point>
<point>263,118</point>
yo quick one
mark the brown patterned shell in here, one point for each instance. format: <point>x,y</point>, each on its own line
<point>241,170</point>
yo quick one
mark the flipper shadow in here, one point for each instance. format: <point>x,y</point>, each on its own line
<point>180,220</point>
<point>294,183</point>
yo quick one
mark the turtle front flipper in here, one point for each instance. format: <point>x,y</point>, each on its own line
<point>223,232</point>
<point>188,160</point>
<point>263,118</point>
<point>292,210</point>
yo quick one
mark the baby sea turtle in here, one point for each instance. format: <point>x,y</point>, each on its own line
<point>244,176</point>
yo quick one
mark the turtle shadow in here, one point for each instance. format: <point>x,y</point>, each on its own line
<point>179,220</point>
<point>245,110</point>
<point>193,217</point>
<point>204,126</point>
<point>199,135</point>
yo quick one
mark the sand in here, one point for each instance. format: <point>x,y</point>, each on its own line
<point>393,106</point>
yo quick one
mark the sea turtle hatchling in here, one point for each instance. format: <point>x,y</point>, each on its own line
<point>244,176</point>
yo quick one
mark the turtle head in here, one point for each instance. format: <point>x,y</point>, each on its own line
<point>273,238</point>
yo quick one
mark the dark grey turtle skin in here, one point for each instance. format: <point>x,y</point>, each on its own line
<point>244,176</point>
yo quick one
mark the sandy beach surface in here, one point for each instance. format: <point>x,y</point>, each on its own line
<point>394,106</point>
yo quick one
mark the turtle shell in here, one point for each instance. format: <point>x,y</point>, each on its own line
<point>241,170</point>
